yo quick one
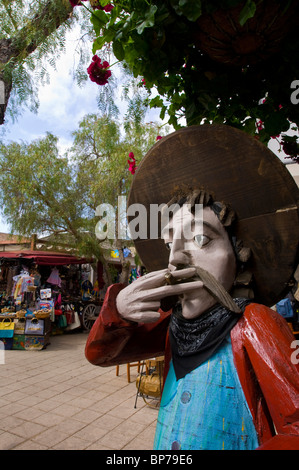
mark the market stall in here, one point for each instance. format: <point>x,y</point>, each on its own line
<point>41,293</point>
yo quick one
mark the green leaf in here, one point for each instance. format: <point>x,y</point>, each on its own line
<point>99,19</point>
<point>250,126</point>
<point>276,123</point>
<point>98,44</point>
<point>118,50</point>
<point>149,20</point>
<point>247,12</point>
<point>163,112</point>
<point>191,9</point>
<point>156,102</point>
<point>103,3</point>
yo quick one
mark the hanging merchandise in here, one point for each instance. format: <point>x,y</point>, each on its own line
<point>86,288</point>
<point>84,275</point>
<point>22,284</point>
<point>135,274</point>
<point>58,301</point>
<point>96,290</point>
<point>69,315</point>
<point>54,277</point>
<point>126,252</point>
<point>18,300</point>
<point>45,294</point>
<point>61,321</point>
<point>75,322</point>
<point>37,279</point>
<point>57,307</point>
<point>17,287</point>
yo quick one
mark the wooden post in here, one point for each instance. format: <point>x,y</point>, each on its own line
<point>33,242</point>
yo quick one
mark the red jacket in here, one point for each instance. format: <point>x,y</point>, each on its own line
<point>261,342</point>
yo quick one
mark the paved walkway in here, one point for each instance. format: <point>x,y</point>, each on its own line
<point>55,399</point>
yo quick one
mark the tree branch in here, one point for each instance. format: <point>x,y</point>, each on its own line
<point>8,11</point>
<point>26,40</point>
<point>46,21</point>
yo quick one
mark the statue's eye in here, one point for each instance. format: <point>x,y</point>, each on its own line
<point>201,240</point>
<point>168,245</point>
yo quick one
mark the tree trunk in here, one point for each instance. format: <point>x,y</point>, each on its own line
<point>5,54</point>
<point>124,277</point>
<point>107,271</point>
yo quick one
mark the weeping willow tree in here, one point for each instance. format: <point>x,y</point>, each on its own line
<point>32,35</point>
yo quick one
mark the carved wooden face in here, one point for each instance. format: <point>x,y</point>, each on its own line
<point>208,247</point>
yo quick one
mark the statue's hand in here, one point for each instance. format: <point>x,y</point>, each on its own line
<point>140,301</point>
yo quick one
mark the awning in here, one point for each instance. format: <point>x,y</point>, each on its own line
<point>49,258</point>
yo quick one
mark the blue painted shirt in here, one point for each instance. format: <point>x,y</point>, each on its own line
<point>206,409</point>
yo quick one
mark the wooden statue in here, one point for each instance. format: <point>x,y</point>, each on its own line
<point>231,376</point>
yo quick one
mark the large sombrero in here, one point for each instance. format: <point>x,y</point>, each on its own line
<point>240,171</point>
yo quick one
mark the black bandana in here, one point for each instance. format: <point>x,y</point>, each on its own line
<point>194,341</point>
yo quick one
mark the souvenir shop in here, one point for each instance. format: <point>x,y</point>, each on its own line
<point>40,295</point>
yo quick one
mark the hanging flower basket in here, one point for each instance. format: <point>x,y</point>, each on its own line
<point>225,40</point>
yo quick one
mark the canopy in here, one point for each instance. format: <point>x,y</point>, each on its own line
<point>49,258</point>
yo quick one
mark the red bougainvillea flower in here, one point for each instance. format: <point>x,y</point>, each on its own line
<point>96,6</point>
<point>107,8</point>
<point>98,72</point>
<point>158,137</point>
<point>132,163</point>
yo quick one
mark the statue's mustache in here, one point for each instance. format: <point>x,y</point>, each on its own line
<point>210,284</point>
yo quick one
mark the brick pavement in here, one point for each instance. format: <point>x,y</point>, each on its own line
<point>55,399</point>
